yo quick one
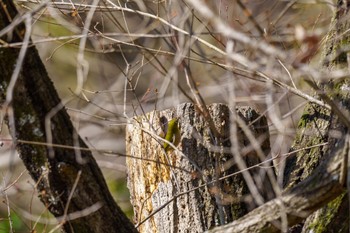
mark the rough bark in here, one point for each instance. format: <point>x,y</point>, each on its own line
<point>166,183</point>
<point>297,203</point>
<point>56,171</point>
<point>311,177</point>
<point>318,125</point>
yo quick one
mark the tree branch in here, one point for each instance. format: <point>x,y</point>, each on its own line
<point>322,186</point>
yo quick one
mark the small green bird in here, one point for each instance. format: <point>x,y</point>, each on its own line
<point>172,134</point>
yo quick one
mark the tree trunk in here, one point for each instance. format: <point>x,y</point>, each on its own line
<point>318,125</point>
<point>179,190</point>
<point>69,182</point>
<point>312,177</point>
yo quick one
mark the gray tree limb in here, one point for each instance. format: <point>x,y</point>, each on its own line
<point>322,186</point>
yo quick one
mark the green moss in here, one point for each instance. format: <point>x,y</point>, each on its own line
<point>312,130</point>
<point>303,120</point>
<point>325,216</point>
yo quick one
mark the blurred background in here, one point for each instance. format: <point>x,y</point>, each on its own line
<point>134,60</point>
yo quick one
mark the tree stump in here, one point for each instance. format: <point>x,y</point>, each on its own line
<point>180,190</point>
